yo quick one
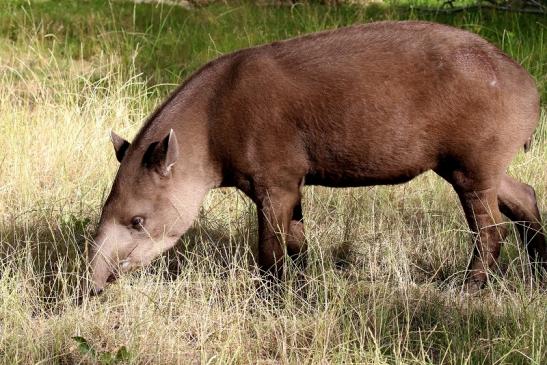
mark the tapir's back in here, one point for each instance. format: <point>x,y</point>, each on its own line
<point>375,104</point>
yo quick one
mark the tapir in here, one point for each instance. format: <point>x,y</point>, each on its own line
<point>373,104</point>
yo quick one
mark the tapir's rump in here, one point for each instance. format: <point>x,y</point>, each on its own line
<point>373,104</point>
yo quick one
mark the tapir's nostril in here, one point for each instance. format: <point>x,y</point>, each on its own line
<point>111,278</point>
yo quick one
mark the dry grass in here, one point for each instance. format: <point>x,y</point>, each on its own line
<point>383,285</point>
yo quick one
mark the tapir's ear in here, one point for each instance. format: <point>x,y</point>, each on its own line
<point>162,155</point>
<point>120,145</point>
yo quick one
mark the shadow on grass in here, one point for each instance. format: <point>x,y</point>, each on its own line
<point>414,322</point>
<point>440,329</point>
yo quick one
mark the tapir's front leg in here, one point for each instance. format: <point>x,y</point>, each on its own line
<point>275,212</point>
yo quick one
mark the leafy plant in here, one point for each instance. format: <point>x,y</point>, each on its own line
<point>102,357</point>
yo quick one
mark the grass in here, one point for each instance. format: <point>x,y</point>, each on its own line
<point>386,262</point>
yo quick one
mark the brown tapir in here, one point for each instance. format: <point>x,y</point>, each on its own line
<point>365,105</point>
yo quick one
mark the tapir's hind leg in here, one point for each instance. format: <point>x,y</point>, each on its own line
<point>484,218</point>
<point>296,241</point>
<point>518,202</point>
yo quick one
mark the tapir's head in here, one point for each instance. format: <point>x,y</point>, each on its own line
<point>152,203</point>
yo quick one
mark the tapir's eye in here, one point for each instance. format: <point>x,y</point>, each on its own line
<point>137,223</point>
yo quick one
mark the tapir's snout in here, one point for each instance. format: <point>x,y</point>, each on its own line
<point>100,269</point>
<point>114,252</point>
<point>107,254</point>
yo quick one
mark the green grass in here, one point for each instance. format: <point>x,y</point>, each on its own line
<point>386,263</point>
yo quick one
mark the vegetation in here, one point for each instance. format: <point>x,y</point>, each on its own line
<point>386,266</point>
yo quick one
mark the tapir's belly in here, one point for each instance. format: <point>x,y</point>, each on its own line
<point>375,156</point>
<point>364,173</point>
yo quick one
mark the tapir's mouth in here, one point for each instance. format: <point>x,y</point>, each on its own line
<point>107,272</point>
<point>109,280</point>
<point>112,277</point>
<point>124,266</point>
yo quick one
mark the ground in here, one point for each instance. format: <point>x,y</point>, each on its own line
<point>386,265</point>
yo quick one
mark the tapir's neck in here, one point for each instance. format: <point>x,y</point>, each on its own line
<point>186,112</point>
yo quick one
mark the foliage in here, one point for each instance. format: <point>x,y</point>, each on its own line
<point>104,357</point>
